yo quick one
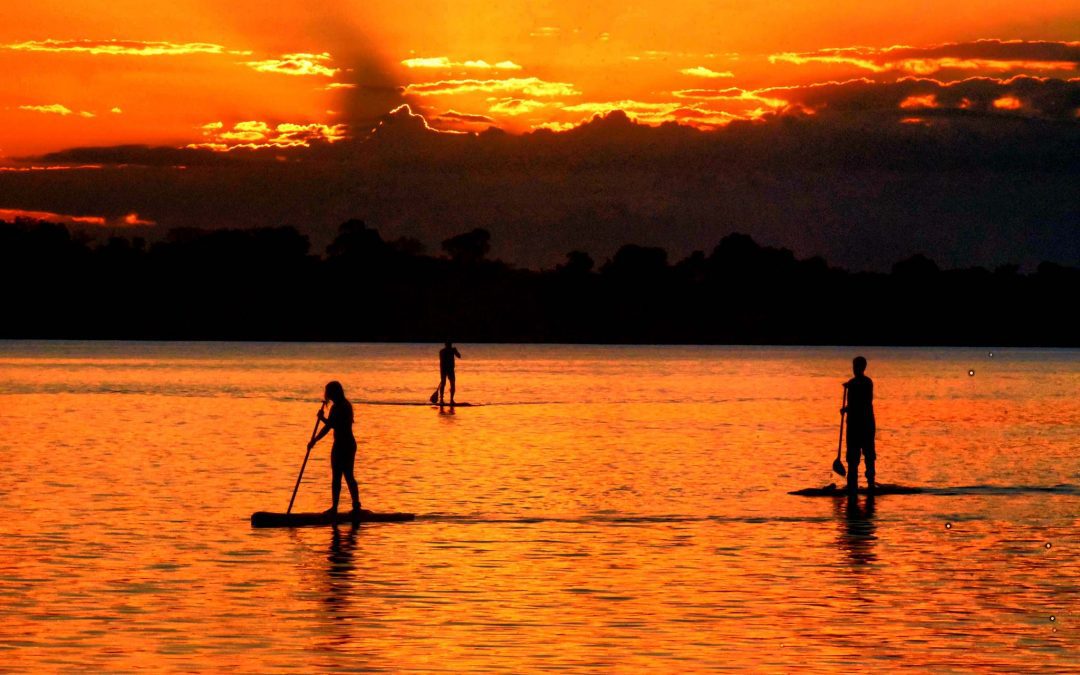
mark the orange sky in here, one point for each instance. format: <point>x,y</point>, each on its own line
<point>100,72</point>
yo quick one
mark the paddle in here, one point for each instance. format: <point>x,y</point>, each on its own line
<point>304,465</point>
<point>837,465</point>
<point>434,396</point>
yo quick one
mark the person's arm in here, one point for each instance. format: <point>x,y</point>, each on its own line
<point>322,432</point>
<point>457,353</point>
<point>319,436</point>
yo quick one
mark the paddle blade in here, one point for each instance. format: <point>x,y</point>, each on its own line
<point>435,397</point>
<point>838,467</point>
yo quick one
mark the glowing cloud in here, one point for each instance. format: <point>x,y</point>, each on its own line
<point>404,117</point>
<point>249,132</point>
<point>735,94</point>
<point>557,127</point>
<point>626,106</point>
<point>919,101</point>
<point>1008,103</point>
<point>444,62</point>
<point>701,71</point>
<point>133,219</point>
<point>119,47</point>
<point>530,86</point>
<point>987,55</point>
<point>51,167</point>
<point>49,217</point>
<point>51,109</point>
<point>846,56</point>
<point>650,55</point>
<point>653,113</point>
<point>253,135</point>
<point>296,64</point>
<point>515,106</point>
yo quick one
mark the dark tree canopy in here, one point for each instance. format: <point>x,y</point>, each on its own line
<point>267,284</point>
<point>471,247</point>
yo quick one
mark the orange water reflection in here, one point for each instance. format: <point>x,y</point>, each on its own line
<point>626,510</point>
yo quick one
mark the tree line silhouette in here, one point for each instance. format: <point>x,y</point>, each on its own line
<point>266,284</point>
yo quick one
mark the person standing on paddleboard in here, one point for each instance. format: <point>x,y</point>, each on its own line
<point>861,427</point>
<point>343,453</point>
<point>446,370</point>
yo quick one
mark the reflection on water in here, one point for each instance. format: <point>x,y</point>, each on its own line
<point>612,509</point>
<point>340,569</point>
<point>856,539</point>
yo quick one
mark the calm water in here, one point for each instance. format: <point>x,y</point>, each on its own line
<point>610,509</point>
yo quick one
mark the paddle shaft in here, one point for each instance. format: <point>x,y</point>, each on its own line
<point>840,443</point>
<point>303,466</point>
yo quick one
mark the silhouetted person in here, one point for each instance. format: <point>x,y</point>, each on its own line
<point>860,425</point>
<point>446,370</point>
<point>343,454</point>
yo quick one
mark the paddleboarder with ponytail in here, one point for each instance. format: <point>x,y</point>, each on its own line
<point>343,453</point>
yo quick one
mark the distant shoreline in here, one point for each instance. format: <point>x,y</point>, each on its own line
<point>265,284</point>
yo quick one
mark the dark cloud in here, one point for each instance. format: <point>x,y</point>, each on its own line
<point>453,115</point>
<point>140,155</point>
<point>1001,50</point>
<point>976,185</point>
<point>1037,97</point>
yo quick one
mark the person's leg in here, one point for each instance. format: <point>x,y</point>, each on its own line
<point>870,455</point>
<point>335,488</point>
<point>853,471</point>
<point>354,489</point>
<point>453,386</point>
<point>853,447</point>
<point>442,387</point>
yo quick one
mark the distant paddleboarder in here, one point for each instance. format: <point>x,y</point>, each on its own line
<point>860,425</point>
<point>446,370</point>
<point>343,454</point>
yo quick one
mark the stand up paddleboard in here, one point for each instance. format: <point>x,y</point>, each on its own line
<point>831,490</point>
<point>268,519</point>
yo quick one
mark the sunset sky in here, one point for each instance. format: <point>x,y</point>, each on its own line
<point>237,77</point>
